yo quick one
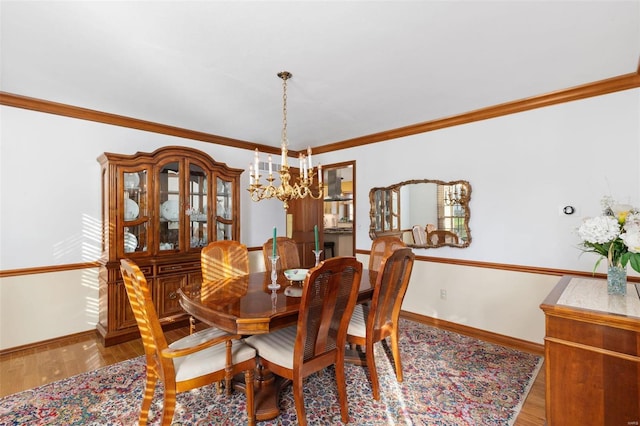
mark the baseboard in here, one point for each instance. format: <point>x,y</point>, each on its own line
<point>477,333</point>
<point>63,340</point>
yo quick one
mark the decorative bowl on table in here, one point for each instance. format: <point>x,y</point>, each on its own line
<point>296,274</point>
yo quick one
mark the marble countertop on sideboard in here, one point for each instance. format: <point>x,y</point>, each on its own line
<point>588,293</point>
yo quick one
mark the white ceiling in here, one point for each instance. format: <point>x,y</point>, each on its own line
<point>359,67</point>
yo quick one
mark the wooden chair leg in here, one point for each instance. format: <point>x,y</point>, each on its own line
<point>150,386</point>
<point>299,400</point>
<point>373,372</point>
<point>249,389</point>
<point>342,390</point>
<point>228,369</point>
<point>395,349</point>
<point>192,325</point>
<point>169,406</point>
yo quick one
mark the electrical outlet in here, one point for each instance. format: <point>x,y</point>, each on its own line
<point>443,294</point>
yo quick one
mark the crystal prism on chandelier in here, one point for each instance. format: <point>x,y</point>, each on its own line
<point>289,188</point>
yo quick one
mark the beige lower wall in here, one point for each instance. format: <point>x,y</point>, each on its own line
<point>498,301</point>
<point>44,306</point>
<point>40,307</point>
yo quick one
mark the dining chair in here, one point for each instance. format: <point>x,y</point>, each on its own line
<point>220,260</point>
<point>419,235</point>
<point>318,340</point>
<point>224,259</point>
<point>199,359</point>
<point>440,236</point>
<point>381,247</point>
<point>286,248</point>
<point>377,320</point>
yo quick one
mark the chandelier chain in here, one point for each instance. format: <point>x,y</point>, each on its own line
<point>284,77</point>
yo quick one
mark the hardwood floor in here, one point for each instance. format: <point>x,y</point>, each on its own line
<point>34,367</point>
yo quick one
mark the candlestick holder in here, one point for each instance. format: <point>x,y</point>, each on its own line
<point>274,300</point>
<point>274,273</point>
<point>317,253</point>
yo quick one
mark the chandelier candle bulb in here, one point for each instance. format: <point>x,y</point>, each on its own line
<point>270,167</point>
<point>320,177</point>
<point>309,157</point>
<point>257,163</point>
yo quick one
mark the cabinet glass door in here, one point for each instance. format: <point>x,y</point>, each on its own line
<point>198,200</point>
<point>169,207</point>
<point>135,215</point>
<point>224,209</point>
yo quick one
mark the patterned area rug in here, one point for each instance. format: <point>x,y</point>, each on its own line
<point>449,379</point>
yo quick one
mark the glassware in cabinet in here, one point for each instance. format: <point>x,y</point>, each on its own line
<point>135,211</point>
<point>197,206</point>
<point>169,206</point>
<point>224,209</point>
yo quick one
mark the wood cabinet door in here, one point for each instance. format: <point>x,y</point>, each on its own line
<point>167,299</point>
<point>305,213</point>
<point>124,314</point>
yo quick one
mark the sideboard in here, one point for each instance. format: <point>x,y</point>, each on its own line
<point>592,354</point>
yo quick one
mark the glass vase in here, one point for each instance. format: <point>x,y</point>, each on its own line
<point>616,280</point>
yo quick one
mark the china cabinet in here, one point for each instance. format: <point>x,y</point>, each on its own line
<point>159,209</point>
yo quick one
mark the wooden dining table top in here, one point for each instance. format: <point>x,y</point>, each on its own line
<point>245,305</point>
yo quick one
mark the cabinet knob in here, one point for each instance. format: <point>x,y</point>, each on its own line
<point>173,295</point>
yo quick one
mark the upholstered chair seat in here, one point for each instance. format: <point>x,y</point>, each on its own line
<point>207,360</point>
<point>277,346</point>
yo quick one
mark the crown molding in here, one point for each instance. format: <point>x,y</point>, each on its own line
<point>34,104</point>
<point>602,87</point>
<point>598,88</point>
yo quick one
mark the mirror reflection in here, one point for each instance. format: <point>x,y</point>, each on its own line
<point>423,213</point>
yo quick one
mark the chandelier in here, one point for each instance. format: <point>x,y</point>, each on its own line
<point>289,189</point>
<point>455,195</point>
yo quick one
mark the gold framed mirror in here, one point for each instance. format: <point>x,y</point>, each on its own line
<point>424,213</point>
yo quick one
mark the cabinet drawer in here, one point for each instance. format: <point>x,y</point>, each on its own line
<point>178,267</point>
<point>594,335</point>
<point>146,270</point>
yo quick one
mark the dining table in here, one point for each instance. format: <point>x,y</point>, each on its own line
<point>246,305</point>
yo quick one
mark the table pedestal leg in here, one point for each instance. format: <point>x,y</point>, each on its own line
<point>355,355</point>
<point>267,392</point>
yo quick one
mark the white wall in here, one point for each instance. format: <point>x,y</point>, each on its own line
<point>50,215</point>
<point>522,169</point>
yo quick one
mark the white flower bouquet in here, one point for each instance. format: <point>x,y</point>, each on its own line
<point>615,235</point>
